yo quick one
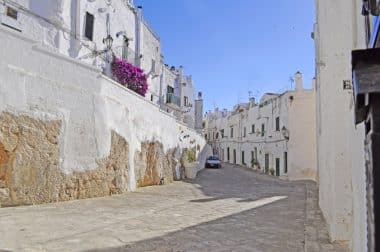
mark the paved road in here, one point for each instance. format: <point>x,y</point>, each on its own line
<point>230,209</point>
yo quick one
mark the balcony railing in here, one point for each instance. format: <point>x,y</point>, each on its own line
<point>129,55</point>
<point>172,99</point>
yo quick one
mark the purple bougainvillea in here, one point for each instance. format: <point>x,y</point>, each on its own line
<point>130,76</point>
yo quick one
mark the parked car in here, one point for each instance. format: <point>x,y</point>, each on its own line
<point>213,162</point>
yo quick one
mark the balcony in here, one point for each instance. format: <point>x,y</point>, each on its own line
<point>129,55</point>
<point>172,99</point>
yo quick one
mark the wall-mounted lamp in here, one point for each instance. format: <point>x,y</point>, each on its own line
<point>108,41</point>
<point>285,132</point>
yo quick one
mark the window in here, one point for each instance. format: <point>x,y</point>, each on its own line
<point>153,66</point>
<point>234,156</point>
<point>186,101</point>
<point>242,158</point>
<point>170,90</point>
<point>277,167</point>
<point>232,132</point>
<point>266,163</point>
<point>253,129</point>
<point>285,162</point>
<point>206,136</point>
<point>228,153</point>
<point>151,97</point>
<point>12,13</point>
<point>277,123</point>
<point>262,129</point>
<point>245,132</point>
<point>222,133</point>
<point>125,49</point>
<point>89,30</point>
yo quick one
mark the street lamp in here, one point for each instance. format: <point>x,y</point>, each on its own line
<point>108,41</point>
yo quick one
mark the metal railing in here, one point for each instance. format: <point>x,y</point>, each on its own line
<point>172,99</point>
<point>127,54</point>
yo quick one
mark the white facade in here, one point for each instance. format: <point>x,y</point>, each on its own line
<point>339,29</point>
<point>276,136</point>
<point>62,26</point>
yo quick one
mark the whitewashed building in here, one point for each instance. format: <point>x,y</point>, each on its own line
<point>276,135</point>
<point>340,143</point>
<point>82,29</point>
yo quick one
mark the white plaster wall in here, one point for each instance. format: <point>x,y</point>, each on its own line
<point>340,144</point>
<point>302,154</point>
<point>151,51</point>
<point>65,29</point>
<point>46,85</point>
<point>297,115</point>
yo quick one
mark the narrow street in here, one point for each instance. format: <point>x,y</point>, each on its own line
<point>229,209</point>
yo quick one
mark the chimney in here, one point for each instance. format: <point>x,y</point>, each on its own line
<point>298,81</point>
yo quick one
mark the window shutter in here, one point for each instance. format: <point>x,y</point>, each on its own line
<point>89,31</point>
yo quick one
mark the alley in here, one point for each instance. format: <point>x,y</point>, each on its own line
<point>228,209</point>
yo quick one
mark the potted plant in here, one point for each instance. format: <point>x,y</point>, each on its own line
<point>255,164</point>
<point>271,171</point>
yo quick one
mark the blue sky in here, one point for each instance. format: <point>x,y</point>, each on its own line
<point>233,47</point>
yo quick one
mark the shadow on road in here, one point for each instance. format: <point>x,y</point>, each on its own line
<point>247,231</point>
<point>277,226</point>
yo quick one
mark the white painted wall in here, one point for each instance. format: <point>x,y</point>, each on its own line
<point>339,143</point>
<point>296,112</point>
<point>46,85</point>
<point>60,25</point>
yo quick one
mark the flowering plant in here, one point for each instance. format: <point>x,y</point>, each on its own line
<point>130,76</point>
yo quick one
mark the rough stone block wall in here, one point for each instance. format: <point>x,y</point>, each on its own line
<point>30,171</point>
<point>154,166</point>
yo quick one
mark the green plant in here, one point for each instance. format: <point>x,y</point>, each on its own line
<point>255,162</point>
<point>191,155</point>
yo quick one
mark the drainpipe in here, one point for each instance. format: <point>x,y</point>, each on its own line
<point>138,36</point>
<point>161,83</point>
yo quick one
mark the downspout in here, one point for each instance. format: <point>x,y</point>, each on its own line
<point>138,22</point>
<point>161,83</point>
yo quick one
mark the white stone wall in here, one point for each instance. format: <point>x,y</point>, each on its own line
<point>42,84</point>
<point>151,61</point>
<point>340,142</point>
<point>60,25</point>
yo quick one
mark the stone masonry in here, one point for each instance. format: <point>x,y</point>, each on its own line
<point>30,168</point>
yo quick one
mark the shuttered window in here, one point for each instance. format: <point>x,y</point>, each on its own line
<point>89,31</point>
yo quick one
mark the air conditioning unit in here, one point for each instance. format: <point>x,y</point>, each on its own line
<point>374,7</point>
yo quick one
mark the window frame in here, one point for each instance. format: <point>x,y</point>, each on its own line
<point>89,29</point>
<point>11,13</point>
<point>277,123</point>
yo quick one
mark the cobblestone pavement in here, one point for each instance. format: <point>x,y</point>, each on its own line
<point>228,209</point>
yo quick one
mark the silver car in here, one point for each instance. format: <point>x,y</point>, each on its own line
<point>213,162</point>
